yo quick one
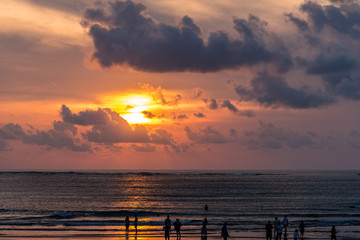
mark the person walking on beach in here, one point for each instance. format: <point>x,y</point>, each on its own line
<point>177,226</point>
<point>136,223</point>
<point>296,234</point>
<point>279,232</point>
<point>204,228</point>
<point>285,223</point>
<point>302,229</point>
<point>127,223</point>
<point>167,227</point>
<point>333,233</point>
<point>268,228</point>
<point>224,231</point>
<point>275,227</point>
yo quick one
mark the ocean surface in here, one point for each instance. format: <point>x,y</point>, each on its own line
<point>73,205</point>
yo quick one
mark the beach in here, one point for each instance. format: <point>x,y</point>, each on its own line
<point>93,205</point>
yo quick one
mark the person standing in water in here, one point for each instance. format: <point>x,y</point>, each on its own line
<point>285,223</point>
<point>268,228</point>
<point>206,207</point>
<point>127,223</point>
<point>302,229</point>
<point>177,226</point>
<point>275,227</point>
<point>279,232</point>
<point>333,233</point>
<point>167,227</point>
<point>204,228</point>
<point>224,231</point>
<point>296,234</point>
<point>136,223</point>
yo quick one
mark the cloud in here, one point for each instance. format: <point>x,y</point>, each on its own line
<point>214,104</point>
<point>123,34</point>
<point>148,114</point>
<point>267,135</point>
<point>116,132</point>
<point>343,85</point>
<point>199,115</point>
<point>58,137</point>
<point>332,61</point>
<point>344,19</point>
<point>161,136</point>
<point>302,25</point>
<point>232,108</point>
<point>274,91</point>
<point>205,136</point>
<point>11,131</point>
<point>88,117</point>
<point>143,148</point>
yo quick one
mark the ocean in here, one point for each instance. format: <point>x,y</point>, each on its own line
<point>85,204</point>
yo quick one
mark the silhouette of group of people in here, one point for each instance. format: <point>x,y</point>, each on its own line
<point>280,226</point>
<point>275,230</point>
<point>127,224</point>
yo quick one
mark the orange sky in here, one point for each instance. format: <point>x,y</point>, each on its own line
<point>136,85</point>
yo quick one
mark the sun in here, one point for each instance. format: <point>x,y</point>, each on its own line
<point>131,107</point>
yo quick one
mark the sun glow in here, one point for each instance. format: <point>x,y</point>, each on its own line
<point>131,107</point>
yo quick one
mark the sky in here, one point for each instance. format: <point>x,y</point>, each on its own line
<point>186,84</point>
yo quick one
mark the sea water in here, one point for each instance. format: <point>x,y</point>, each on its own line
<point>95,204</point>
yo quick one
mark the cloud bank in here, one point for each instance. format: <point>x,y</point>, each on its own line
<point>123,34</point>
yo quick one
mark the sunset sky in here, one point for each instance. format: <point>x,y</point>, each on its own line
<point>185,84</point>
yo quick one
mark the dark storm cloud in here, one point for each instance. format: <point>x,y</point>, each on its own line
<point>332,61</point>
<point>122,34</point>
<point>274,91</point>
<point>343,85</point>
<point>344,19</point>
<point>302,25</point>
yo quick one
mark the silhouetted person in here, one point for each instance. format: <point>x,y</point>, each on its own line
<point>204,228</point>
<point>167,227</point>
<point>127,223</point>
<point>285,223</point>
<point>302,229</point>
<point>333,233</point>
<point>224,231</point>
<point>285,236</point>
<point>136,223</point>
<point>206,207</point>
<point>177,226</point>
<point>296,234</point>
<point>279,232</point>
<point>268,228</point>
<point>276,223</point>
